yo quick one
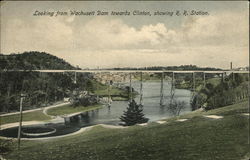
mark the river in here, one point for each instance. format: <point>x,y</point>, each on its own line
<point>110,115</point>
<point>151,105</point>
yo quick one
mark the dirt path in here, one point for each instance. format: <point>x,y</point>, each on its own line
<point>10,125</point>
<point>53,106</point>
<point>37,109</point>
<point>70,134</point>
<point>214,116</point>
<point>181,120</point>
<point>13,113</point>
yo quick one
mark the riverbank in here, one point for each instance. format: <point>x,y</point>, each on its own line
<point>45,114</point>
<point>198,137</point>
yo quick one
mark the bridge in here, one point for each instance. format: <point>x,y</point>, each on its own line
<point>131,71</point>
<point>172,91</point>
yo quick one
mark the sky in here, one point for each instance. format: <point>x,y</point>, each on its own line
<point>212,40</point>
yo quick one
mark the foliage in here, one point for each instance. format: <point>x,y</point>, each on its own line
<point>33,60</point>
<point>198,100</point>
<point>217,94</point>
<point>133,115</point>
<point>41,89</point>
<point>80,99</point>
<point>182,67</point>
<point>6,146</point>
<point>176,106</point>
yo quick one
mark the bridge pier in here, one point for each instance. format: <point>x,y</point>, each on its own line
<point>222,77</point>
<point>193,81</point>
<point>172,91</point>
<point>75,78</point>
<point>67,120</point>
<point>204,79</point>
<point>141,90</point>
<point>109,96</point>
<point>162,89</point>
<point>130,87</point>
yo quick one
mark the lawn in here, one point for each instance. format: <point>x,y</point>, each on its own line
<point>30,116</point>
<point>197,138</point>
<point>67,109</point>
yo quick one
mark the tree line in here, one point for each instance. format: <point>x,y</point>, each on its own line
<point>41,89</point>
<point>179,68</point>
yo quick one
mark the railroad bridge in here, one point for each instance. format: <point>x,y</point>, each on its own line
<point>128,73</point>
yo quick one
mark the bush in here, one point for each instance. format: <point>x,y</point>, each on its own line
<point>5,146</point>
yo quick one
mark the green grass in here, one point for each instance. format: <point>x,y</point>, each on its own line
<point>30,116</point>
<point>198,138</point>
<point>67,109</point>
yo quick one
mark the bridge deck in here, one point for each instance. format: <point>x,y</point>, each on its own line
<point>130,71</point>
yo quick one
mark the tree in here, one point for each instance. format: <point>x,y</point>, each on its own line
<point>176,106</point>
<point>133,115</point>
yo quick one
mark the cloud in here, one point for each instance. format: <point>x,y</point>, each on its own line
<point>104,33</point>
<point>226,28</point>
<point>40,34</point>
<point>105,41</point>
<point>223,29</point>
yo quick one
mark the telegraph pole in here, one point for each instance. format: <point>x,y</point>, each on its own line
<point>222,76</point>
<point>204,78</point>
<point>20,120</point>
<point>193,81</point>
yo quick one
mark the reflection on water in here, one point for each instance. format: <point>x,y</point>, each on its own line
<point>151,102</point>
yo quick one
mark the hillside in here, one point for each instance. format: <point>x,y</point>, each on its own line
<point>198,137</point>
<point>33,60</point>
<point>41,88</point>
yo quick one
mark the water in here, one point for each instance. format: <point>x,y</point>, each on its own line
<point>110,115</point>
<point>151,105</point>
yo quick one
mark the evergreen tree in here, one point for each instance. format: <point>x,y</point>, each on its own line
<point>133,115</point>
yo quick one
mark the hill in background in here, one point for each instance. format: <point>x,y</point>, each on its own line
<point>33,60</point>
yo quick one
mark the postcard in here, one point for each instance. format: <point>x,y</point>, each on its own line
<point>124,80</point>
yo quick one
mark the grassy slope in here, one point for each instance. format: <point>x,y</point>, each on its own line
<point>30,116</point>
<point>68,109</point>
<point>197,138</point>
